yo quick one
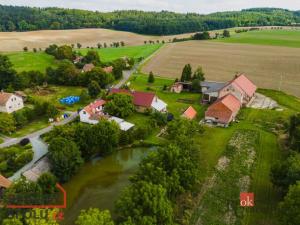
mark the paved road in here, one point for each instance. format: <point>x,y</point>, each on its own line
<point>40,148</point>
<point>126,76</point>
<point>38,133</point>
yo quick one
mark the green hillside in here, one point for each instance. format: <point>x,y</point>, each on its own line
<point>288,38</point>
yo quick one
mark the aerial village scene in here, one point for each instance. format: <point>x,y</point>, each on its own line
<point>107,119</point>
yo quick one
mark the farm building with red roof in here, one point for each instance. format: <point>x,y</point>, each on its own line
<point>223,111</point>
<point>241,87</point>
<point>143,100</point>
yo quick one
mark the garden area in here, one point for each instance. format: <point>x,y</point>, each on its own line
<point>14,158</point>
<point>55,93</point>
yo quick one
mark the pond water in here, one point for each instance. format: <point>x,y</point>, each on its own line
<point>100,182</point>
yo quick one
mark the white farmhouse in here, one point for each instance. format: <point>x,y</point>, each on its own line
<point>10,102</point>
<point>92,113</point>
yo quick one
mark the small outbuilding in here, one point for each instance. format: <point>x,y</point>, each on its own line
<point>190,113</point>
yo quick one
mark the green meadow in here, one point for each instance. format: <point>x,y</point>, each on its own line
<point>110,54</point>
<point>27,61</point>
<point>286,38</point>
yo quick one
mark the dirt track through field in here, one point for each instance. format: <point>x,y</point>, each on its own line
<point>268,66</point>
<point>16,41</point>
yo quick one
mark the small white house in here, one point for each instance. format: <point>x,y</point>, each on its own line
<point>92,112</point>
<point>10,102</point>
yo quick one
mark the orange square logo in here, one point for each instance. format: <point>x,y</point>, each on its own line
<point>247,199</point>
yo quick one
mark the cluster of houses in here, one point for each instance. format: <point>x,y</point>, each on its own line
<point>142,101</point>
<point>227,99</point>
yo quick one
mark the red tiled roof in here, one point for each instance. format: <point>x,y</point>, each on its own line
<point>243,83</point>
<point>108,69</point>
<point>190,113</point>
<point>224,108</point>
<point>140,98</point>
<point>4,182</point>
<point>88,67</point>
<point>92,107</point>
<point>4,97</point>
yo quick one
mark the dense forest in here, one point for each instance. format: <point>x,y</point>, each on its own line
<point>15,18</point>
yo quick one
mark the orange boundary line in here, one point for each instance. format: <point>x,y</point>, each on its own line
<point>44,206</point>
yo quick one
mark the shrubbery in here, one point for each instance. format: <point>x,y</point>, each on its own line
<point>13,158</point>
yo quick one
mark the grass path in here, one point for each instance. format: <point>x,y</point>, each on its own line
<point>266,196</point>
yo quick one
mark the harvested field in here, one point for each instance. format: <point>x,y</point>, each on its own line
<point>268,66</point>
<point>15,41</point>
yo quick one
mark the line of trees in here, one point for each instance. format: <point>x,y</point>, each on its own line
<point>285,175</point>
<point>162,177</point>
<point>15,18</point>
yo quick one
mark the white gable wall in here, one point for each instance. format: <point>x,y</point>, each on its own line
<point>85,117</point>
<point>14,103</point>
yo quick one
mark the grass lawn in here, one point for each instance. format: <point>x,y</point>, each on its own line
<point>212,144</point>
<point>26,61</point>
<point>55,93</point>
<point>33,126</point>
<point>1,140</point>
<point>266,196</point>
<point>139,82</point>
<point>287,38</point>
<point>110,54</point>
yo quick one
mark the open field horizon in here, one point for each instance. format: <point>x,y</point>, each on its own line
<point>16,41</point>
<point>269,67</point>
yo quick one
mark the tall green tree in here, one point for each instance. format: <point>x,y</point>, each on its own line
<point>65,158</point>
<point>199,74</point>
<point>92,57</point>
<point>144,203</point>
<point>120,105</point>
<point>64,52</point>
<point>99,75</point>
<point>94,89</point>
<point>151,77</point>
<point>226,33</point>
<point>290,207</point>
<point>286,173</point>
<point>105,136</point>
<point>7,73</point>
<point>186,73</point>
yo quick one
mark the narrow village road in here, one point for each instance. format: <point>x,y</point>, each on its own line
<point>38,133</point>
<point>40,149</point>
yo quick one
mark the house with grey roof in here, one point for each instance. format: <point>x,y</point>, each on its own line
<point>210,90</point>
